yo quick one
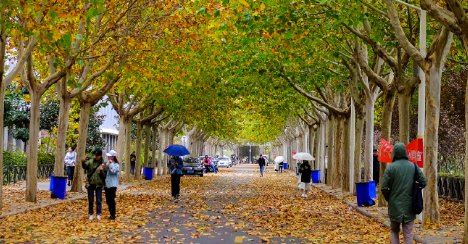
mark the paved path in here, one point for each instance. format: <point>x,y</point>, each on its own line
<point>234,206</point>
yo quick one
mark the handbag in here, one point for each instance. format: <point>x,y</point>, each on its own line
<point>417,201</point>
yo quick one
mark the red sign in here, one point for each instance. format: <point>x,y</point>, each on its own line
<point>415,150</point>
<point>385,151</point>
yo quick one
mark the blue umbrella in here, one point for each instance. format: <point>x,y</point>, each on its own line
<point>176,150</point>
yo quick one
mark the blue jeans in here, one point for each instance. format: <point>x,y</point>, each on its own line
<point>262,170</point>
<point>70,172</point>
<point>94,190</point>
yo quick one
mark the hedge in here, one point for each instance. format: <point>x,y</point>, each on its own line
<point>20,158</point>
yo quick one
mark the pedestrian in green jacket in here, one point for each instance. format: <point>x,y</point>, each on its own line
<point>95,172</point>
<point>397,185</point>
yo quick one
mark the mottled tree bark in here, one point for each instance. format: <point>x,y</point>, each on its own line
<point>389,102</point>
<point>85,110</point>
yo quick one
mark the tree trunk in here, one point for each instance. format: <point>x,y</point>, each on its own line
<point>352,148</point>
<point>404,102</point>
<point>139,139</point>
<point>127,147</point>
<point>465,235</point>
<point>338,159</point>
<point>62,128</point>
<point>369,139</point>
<point>77,185</point>
<point>2,116</point>
<point>431,212</point>
<point>121,139</point>
<point>322,150</point>
<point>147,130</point>
<point>312,135</point>
<point>389,102</point>
<point>155,146</point>
<point>358,148</point>
<point>345,156</point>
<point>33,147</point>
<point>330,150</point>
<point>162,144</point>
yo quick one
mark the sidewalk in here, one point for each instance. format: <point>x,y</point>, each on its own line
<point>15,203</point>
<point>448,231</point>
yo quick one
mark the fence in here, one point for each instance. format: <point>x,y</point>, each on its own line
<point>15,173</point>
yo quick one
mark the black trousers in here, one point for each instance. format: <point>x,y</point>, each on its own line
<point>92,190</point>
<point>175,185</point>
<point>110,200</point>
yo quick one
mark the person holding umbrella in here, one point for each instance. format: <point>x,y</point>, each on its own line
<point>175,166</point>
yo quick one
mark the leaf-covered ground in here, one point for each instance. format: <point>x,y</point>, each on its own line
<point>233,206</point>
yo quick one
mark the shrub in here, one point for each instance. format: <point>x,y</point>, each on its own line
<point>20,158</point>
<point>46,158</point>
<point>14,158</point>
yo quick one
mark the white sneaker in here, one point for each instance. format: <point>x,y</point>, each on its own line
<point>91,217</point>
<point>98,217</point>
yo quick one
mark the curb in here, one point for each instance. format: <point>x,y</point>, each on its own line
<point>360,210</point>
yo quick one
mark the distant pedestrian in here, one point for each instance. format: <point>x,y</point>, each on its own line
<point>132,163</point>
<point>112,182</point>
<point>176,165</point>
<point>305,170</point>
<point>207,164</point>
<point>70,162</point>
<point>281,166</point>
<point>397,188</point>
<point>94,182</point>
<point>261,162</point>
<point>376,167</point>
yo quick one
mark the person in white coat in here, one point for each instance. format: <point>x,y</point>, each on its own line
<point>70,162</point>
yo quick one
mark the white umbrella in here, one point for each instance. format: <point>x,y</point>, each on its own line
<point>279,159</point>
<point>303,156</point>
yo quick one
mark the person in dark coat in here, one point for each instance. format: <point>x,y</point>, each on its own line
<point>376,167</point>
<point>397,187</point>
<point>305,170</point>
<point>261,162</point>
<point>175,165</point>
<point>95,180</point>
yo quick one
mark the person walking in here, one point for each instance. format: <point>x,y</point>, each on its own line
<point>305,171</point>
<point>261,162</point>
<point>175,165</point>
<point>70,162</point>
<point>112,182</point>
<point>132,163</point>
<point>397,188</point>
<point>95,178</point>
<point>207,164</point>
<point>281,166</point>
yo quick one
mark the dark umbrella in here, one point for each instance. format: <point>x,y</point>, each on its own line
<point>176,150</point>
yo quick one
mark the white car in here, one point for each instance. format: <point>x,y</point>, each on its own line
<point>224,163</point>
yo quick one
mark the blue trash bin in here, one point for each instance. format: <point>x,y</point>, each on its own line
<point>51,183</point>
<point>372,190</point>
<point>365,193</point>
<point>148,173</point>
<point>315,176</point>
<point>58,186</point>
<point>285,166</point>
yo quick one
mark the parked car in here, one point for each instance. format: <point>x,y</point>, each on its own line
<point>192,166</point>
<point>224,162</point>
